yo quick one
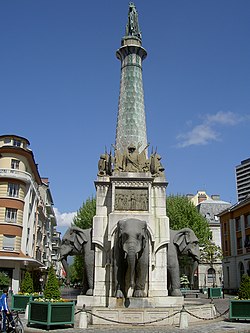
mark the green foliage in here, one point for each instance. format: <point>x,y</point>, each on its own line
<point>244,291</point>
<point>36,275</point>
<point>211,253</point>
<point>4,280</point>
<point>84,220</point>
<point>182,213</point>
<point>85,214</point>
<point>76,270</point>
<point>27,284</point>
<point>52,290</point>
<point>184,281</point>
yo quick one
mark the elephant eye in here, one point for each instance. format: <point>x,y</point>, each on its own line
<point>124,236</point>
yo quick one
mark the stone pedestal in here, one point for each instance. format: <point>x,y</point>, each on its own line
<point>130,195</point>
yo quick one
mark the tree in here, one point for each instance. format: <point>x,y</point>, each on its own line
<point>84,220</point>
<point>27,284</point>
<point>4,280</point>
<point>85,214</point>
<point>211,253</point>
<point>182,213</point>
<point>244,290</point>
<point>52,290</point>
<point>76,270</point>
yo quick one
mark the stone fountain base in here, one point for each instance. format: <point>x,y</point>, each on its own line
<point>143,311</point>
<point>132,302</point>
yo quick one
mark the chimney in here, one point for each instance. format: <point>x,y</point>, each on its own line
<point>201,197</point>
<point>215,197</point>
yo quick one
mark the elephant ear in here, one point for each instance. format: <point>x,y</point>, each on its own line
<point>79,239</point>
<point>182,239</point>
<point>119,232</point>
<point>144,234</point>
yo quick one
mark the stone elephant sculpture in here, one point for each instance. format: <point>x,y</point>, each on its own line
<point>131,260</point>
<point>77,241</point>
<point>182,241</point>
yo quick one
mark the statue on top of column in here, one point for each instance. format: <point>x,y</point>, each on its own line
<point>132,28</point>
<point>132,159</point>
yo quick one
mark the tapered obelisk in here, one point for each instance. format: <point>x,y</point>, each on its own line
<point>131,122</point>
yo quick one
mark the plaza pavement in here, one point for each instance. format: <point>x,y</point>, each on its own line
<point>222,324</point>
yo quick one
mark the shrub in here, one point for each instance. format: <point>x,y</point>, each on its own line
<point>4,280</point>
<point>27,284</point>
<point>52,290</point>
<point>244,291</point>
<point>184,281</point>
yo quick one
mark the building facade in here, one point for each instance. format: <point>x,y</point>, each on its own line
<point>242,172</point>
<point>27,221</point>
<point>210,269</point>
<point>235,232</point>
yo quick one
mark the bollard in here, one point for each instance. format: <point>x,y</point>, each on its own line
<point>26,312</point>
<point>83,321</point>
<point>183,319</point>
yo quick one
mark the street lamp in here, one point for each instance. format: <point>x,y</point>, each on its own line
<point>25,263</point>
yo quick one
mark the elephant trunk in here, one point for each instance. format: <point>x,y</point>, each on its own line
<point>131,259</point>
<point>66,268</point>
<point>195,265</point>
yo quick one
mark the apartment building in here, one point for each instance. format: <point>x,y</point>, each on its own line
<point>235,232</point>
<point>242,172</point>
<point>27,220</point>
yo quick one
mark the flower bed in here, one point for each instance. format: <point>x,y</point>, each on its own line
<point>20,301</point>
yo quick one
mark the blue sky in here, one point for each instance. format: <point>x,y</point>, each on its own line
<point>59,88</point>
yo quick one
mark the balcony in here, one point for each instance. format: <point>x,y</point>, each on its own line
<point>16,174</point>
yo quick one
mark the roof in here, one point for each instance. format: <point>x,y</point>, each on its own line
<point>236,206</point>
<point>211,201</point>
<point>15,136</point>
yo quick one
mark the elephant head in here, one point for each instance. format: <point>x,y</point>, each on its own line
<point>77,241</point>
<point>187,243</point>
<point>73,240</point>
<point>132,241</point>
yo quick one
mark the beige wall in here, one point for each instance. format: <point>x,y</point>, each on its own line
<point>5,162</point>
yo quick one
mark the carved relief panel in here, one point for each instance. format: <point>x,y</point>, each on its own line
<point>131,199</point>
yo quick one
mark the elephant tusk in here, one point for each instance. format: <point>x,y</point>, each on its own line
<point>125,255</point>
<point>137,255</point>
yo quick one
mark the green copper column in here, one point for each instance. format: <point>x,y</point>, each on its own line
<point>131,122</point>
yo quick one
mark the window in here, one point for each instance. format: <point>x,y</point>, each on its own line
<point>7,140</point>
<point>11,215</point>
<point>15,164</point>
<point>211,276</point>
<point>241,269</point>
<point>9,242</point>
<point>228,276</point>
<point>238,224</point>
<point>225,228</point>
<point>247,221</point>
<point>13,190</point>
<point>16,143</point>
<point>247,243</point>
<point>239,243</point>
